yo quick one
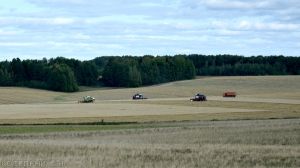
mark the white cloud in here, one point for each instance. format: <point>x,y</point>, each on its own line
<point>9,21</point>
<point>254,25</point>
<point>244,25</point>
<point>238,4</point>
<point>95,27</point>
<point>265,26</point>
<point>150,4</point>
<point>82,36</point>
<point>9,32</point>
<point>226,32</point>
<point>116,18</point>
<point>258,41</point>
<point>17,44</point>
<point>219,24</point>
<point>61,21</point>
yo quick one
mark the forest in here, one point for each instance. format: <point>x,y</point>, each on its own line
<point>66,75</point>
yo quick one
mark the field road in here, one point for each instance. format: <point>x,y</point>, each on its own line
<point>255,100</point>
<point>237,99</point>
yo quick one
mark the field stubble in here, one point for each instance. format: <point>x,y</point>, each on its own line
<point>271,87</point>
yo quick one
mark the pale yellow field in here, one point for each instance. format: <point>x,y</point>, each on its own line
<point>37,111</point>
<point>166,102</point>
<point>241,139</point>
<point>269,87</point>
<point>17,95</point>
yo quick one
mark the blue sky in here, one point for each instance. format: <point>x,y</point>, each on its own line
<point>85,29</point>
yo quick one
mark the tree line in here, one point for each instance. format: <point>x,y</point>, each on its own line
<point>59,74</point>
<point>62,74</point>
<point>231,65</point>
<point>131,71</point>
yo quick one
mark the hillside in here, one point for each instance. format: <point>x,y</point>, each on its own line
<point>269,87</point>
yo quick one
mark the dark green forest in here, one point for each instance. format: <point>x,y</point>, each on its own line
<point>62,74</point>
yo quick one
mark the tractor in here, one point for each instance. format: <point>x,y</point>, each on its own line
<point>87,99</point>
<point>199,97</point>
<point>138,96</point>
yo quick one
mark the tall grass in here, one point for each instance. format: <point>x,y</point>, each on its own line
<point>255,143</point>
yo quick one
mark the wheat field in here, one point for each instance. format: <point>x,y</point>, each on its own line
<point>252,143</point>
<point>259,128</point>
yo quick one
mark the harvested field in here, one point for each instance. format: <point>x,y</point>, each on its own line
<point>40,111</point>
<point>256,100</point>
<point>17,95</point>
<point>263,87</point>
<point>236,99</point>
<point>74,135</point>
<point>257,97</point>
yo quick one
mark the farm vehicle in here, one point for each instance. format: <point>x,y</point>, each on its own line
<point>229,94</point>
<point>87,99</point>
<point>199,97</point>
<point>138,96</point>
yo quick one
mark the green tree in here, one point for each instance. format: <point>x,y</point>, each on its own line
<point>149,71</point>
<point>5,78</point>
<point>190,70</point>
<point>62,78</point>
<point>88,74</point>
<point>134,77</point>
<point>116,73</point>
<point>18,71</point>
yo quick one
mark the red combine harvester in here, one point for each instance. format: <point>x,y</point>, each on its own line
<point>229,94</point>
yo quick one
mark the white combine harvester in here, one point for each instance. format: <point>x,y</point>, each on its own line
<point>87,99</point>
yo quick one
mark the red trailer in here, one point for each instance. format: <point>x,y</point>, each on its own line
<point>229,94</point>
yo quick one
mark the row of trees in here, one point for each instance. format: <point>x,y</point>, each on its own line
<point>238,65</point>
<point>58,74</point>
<point>137,71</point>
<point>61,74</point>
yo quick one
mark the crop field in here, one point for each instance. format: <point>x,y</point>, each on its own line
<point>268,87</point>
<point>248,143</point>
<point>258,128</point>
<point>258,97</point>
<point>104,110</point>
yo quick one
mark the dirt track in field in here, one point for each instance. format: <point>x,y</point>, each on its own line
<point>256,100</point>
<point>236,99</point>
<point>240,99</point>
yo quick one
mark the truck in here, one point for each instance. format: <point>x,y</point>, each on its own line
<point>229,94</point>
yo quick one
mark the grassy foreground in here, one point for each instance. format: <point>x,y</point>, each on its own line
<point>71,127</point>
<point>251,143</point>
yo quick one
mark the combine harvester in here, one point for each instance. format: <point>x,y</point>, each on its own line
<point>87,99</point>
<point>138,96</point>
<point>199,97</point>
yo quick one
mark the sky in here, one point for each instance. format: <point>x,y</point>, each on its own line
<point>85,29</point>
